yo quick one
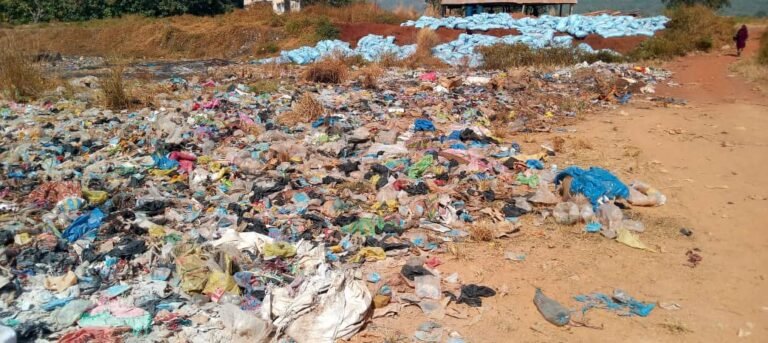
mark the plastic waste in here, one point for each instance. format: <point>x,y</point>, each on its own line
<point>642,194</point>
<point>243,326</point>
<point>620,302</point>
<point>138,323</point>
<point>566,213</point>
<point>633,225</point>
<point>627,238</point>
<point>429,332</point>
<point>427,286</point>
<point>586,213</point>
<point>419,168</point>
<point>611,218</point>
<point>83,225</point>
<point>7,335</point>
<point>544,196</point>
<point>71,312</point>
<point>596,184</point>
<point>345,305</point>
<point>552,311</point>
<point>423,125</point>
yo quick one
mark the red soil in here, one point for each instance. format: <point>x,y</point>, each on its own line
<point>621,45</point>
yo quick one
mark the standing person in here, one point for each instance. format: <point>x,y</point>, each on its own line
<point>741,39</point>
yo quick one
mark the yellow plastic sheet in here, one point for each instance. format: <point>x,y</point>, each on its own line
<point>193,273</point>
<point>629,239</point>
<point>370,254</point>
<point>222,280</point>
<point>279,249</point>
<point>95,197</point>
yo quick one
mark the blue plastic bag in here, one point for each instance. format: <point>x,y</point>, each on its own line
<point>83,225</point>
<point>594,184</point>
<point>621,303</point>
<point>534,164</point>
<point>165,163</point>
<point>423,125</point>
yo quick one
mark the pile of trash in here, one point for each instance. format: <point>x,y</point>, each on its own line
<point>462,50</point>
<point>371,48</point>
<point>537,33</point>
<point>578,26</point>
<point>207,218</point>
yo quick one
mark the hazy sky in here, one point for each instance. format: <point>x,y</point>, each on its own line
<point>738,7</point>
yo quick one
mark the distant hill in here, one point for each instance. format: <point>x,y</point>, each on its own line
<point>646,7</point>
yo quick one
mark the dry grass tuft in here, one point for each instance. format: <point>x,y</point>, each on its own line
<point>432,11</point>
<point>753,71</point>
<point>762,52</point>
<point>369,76</point>
<point>389,60</point>
<point>115,96</point>
<point>20,78</point>
<point>264,86</point>
<point>327,71</point>
<point>426,39</point>
<point>306,110</point>
<point>252,31</point>
<point>482,231</point>
<point>505,56</point>
<point>582,144</point>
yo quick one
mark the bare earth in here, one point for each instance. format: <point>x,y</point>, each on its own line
<point>709,158</point>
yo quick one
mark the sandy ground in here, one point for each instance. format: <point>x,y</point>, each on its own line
<point>708,158</point>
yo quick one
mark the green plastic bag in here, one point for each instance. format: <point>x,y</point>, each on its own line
<point>532,181</point>
<point>364,226</point>
<point>138,324</point>
<point>417,170</point>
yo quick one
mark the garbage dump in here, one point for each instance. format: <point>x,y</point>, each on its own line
<point>575,25</point>
<point>373,47</point>
<point>211,217</point>
<point>370,47</point>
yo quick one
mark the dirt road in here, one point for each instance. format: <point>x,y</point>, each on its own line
<point>709,159</point>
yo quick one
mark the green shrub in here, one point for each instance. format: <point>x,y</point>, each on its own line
<point>324,29</point>
<point>296,26</point>
<point>691,28</point>
<point>276,20</point>
<point>704,44</point>
<point>267,48</point>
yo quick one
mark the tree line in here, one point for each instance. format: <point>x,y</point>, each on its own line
<point>36,11</point>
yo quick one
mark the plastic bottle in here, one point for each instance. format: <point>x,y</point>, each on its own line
<point>552,311</point>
